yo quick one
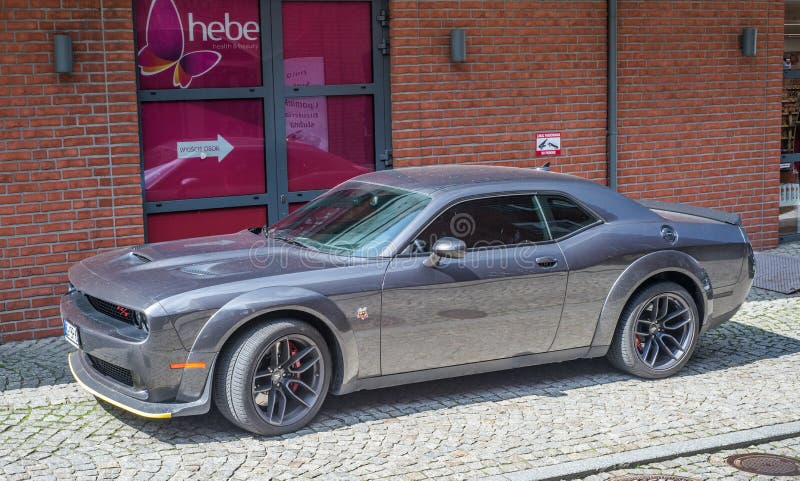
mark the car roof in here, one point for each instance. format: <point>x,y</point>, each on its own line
<point>438,179</point>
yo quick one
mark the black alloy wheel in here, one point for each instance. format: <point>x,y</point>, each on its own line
<point>664,330</point>
<point>657,332</point>
<point>273,378</point>
<point>288,380</point>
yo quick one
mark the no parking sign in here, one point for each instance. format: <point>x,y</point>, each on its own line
<point>548,143</point>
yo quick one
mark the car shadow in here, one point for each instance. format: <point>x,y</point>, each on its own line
<point>734,344</point>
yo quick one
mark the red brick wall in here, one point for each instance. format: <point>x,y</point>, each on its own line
<point>61,197</point>
<point>699,122</point>
<point>531,67</point>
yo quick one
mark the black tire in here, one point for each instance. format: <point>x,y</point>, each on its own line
<point>250,386</point>
<point>642,346</point>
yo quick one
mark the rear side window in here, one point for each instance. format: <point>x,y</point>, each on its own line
<point>563,215</point>
<point>488,222</point>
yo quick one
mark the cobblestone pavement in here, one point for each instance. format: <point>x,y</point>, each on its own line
<point>710,466</point>
<point>743,375</point>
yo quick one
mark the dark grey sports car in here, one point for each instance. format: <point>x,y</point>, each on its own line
<point>398,277</point>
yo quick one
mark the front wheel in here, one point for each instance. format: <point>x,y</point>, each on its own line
<point>657,332</point>
<point>274,377</point>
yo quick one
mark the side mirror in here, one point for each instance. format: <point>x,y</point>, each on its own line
<point>449,247</point>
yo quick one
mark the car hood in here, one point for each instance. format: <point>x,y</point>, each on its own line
<point>142,275</point>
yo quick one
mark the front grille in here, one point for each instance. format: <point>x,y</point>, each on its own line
<point>120,374</point>
<point>125,314</point>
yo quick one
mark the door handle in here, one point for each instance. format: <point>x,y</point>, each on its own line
<point>547,262</point>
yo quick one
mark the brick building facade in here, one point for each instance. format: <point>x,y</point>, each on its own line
<point>698,122</point>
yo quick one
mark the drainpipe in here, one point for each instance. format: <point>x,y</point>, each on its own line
<point>611,135</point>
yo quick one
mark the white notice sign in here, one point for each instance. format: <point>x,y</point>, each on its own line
<point>548,143</point>
<point>306,117</point>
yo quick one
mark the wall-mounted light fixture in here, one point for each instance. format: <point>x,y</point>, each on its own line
<point>747,41</point>
<point>63,53</point>
<point>458,45</point>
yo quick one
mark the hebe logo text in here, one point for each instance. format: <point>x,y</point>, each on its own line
<point>231,29</point>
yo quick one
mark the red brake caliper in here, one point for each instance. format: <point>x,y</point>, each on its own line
<point>639,346</point>
<point>292,352</point>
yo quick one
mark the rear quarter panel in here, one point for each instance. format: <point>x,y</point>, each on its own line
<point>717,246</point>
<point>596,259</point>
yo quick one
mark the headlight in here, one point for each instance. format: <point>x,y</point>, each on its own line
<point>140,321</point>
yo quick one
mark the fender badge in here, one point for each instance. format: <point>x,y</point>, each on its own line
<point>362,313</point>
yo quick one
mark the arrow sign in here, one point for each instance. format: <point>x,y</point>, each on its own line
<point>219,148</point>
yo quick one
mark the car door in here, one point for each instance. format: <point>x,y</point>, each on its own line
<point>502,299</point>
<point>593,270</point>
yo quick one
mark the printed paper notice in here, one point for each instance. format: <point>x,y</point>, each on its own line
<point>306,117</point>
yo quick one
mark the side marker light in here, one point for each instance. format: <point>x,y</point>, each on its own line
<point>187,365</point>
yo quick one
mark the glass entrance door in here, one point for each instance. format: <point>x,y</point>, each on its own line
<point>329,92</point>
<point>250,108</point>
<point>789,206</point>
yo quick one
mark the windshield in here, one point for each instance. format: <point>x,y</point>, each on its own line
<point>356,219</point>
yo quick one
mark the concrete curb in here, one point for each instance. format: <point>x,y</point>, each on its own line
<point>654,454</point>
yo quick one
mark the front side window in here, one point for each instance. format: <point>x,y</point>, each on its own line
<point>563,215</point>
<point>488,222</point>
<point>355,219</point>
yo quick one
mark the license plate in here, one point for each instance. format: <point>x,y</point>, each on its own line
<point>71,334</point>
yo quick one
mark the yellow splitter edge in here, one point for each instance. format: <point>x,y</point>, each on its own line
<point>113,402</point>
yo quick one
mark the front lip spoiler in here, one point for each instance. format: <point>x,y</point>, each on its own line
<point>77,365</point>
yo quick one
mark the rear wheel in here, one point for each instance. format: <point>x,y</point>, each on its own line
<point>274,378</point>
<point>657,332</point>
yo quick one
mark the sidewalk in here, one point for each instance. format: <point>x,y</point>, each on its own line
<point>744,375</point>
<point>710,466</point>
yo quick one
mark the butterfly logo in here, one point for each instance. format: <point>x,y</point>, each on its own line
<point>164,47</point>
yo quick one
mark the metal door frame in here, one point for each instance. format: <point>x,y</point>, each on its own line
<point>273,94</point>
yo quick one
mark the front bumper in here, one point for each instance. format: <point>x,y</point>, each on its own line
<point>131,368</point>
<point>88,379</point>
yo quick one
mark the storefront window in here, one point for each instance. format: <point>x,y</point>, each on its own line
<point>328,140</point>
<point>789,218</point>
<point>214,159</point>
<point>327,43</point>
<point>203,148</point>
<point>193,43</point>
<point>181,225</point>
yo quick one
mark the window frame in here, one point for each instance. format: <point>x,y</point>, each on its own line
<point>272,93</point>
<point>534,193</point>
<point>350,184</point>
<point>580,205</point>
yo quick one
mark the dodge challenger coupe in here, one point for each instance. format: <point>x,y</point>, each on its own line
<point>398,277</point>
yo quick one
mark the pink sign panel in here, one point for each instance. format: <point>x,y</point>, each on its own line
<point>349,147</point>
<point>295,206</point>
<point>183,225</point>
<point>338,33</point>
<point>204,148</point>
<point>194,43</point>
